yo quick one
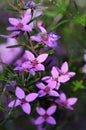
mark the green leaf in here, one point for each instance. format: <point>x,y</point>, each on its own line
<point>77,85</point>
<point>15,3</point>
<point>13,46</point>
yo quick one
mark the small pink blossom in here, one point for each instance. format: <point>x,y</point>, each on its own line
<point>23,100</point>
<point>53,80</point>
<point>48,39</point>
<point>45,115</point>
<point>46,90</point>
<point>20,24</point>
<point>64,74</point>
<point>67,103</point>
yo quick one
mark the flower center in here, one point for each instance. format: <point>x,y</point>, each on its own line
<point>45,37</point>
<point>47,89</point>
<point>45,116</point>
<point>34,62</point>
<point>23,101</point>
<point>64,103</point>
<point>20,26</point>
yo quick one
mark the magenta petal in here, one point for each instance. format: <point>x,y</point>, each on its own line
<point>31,97</point>
<point>40,111</point>
<point>14,103</point>
<point>52,84</point>
<point>40,85</point>
<point>71,74</point>
<point>29,55</point>
<point>41,93</point>
<point>4,36</point>
<point>72,101</point>
<point>20,93</point>
<point>26,108</point>
<point>42,29</point>
<point>41,58</point>
<point>64,67</point>
<point>51,120</point>
<point>26,19</point>
<point>40,67</point>
<point>57,86</point>
<point>39,120</point>
<point>47,79</point>
<point>63,78</point>
<point>53,93</point>
<point>36,38</point>
<point>51,110</point>
<point>11,28</point>
<point>27,28</point>
<point>54,72</point>
<point>63,97</point>
<point>14,21</point>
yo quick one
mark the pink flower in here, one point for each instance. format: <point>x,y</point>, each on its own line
<point>64,74</point>
<point>67,103</point>
<point>47,39</point>
<point>20,24</point>
<point>45,116</point>
<point>23,100</point>
<point>32,63</point>
<point>53,80</point>
<point>46,90</point>
<point>36,61</point>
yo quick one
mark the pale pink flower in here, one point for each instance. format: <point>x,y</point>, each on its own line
<point>23,100</point>
<point>64,102</point>
<point>45,115</point>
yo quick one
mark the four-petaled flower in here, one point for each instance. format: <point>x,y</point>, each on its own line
<point>47,39</point>
<point>45,116</point>
<point>20,24</point>
<point>46,90</point>
<point>54,79</point>
<point>36,61</point>
<point>64,74</point>
<point>23,100</point>
<point>67,103</point>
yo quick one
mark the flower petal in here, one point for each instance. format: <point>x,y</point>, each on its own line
<point>63,78</point>
<point>26,19</point>
<point>26,108</point>
<point>29,55</point>
<point>72,101</point>
<point>71,74</point>
<point>39,120</point>
<point>63,97</point>
<point>40,85</point>
<point>53,93</point>
<point>31,97</point>
<point>41,58</point>
<point>51,120</point>
<point>36,38</point>
<point>46,79</point>
<point>14,21</point>
<point>52,84</point>
<point>40,67</point>
<point>14,103</point>
<point>40,111</point>
<point>64,67</point>
<point>54,72</point>
<point>51,110</point>
<point>20,93</point>
<point>11,28</point>
<point>41,93</point>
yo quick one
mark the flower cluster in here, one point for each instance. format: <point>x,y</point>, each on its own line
<point>37,84</point>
